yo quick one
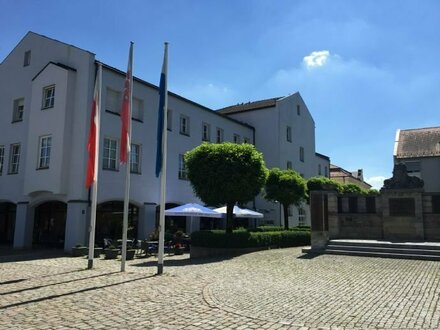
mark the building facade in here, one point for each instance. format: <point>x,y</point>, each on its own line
<point>45,99</point>
<point>345,177</point>
<point>419,150</point>
<point>285,134</point>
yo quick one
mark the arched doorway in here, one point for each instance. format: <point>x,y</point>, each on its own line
<point>50,224</point>
<point>172,223</point>
<point>109,218</point>
<point>7,222</point>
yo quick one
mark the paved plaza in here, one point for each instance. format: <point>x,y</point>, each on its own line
<point>274,289</point>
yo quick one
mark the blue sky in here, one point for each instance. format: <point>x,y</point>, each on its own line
<point>364,68</point>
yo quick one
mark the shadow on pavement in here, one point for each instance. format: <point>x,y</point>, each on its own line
<point>180,262</point>
<point>8,254</point>
<point>73,292</point>
<point>310,255</point>
<point>52,284</point>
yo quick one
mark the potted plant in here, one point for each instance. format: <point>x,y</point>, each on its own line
<point>111,252</point>
<point>130,254</point>
<point>79,250</point>
<point>178,246</point>
<point>97,251</point>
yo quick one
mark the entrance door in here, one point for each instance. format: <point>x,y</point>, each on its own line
<point>50,224</point>
<point>7,223</point>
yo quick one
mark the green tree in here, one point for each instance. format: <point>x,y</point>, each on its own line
<point>226,173</point>
<point>286,187</point>
<point>323,183</point>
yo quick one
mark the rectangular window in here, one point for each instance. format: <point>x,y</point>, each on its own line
<point>27,58</point>
<point>2,158</point>
<point>110,154</point>
<point>183,174</point>
<point>289,134</point>
<point>340,206</point>
<point>219,135</point>
<point>298,110</point>
<point>48,97</point>
<point>435,199</point>
<point>246,140</point>
<point>44,154</point>
<point>289,165</point>
<point>137,109</point>
<point>319,169</point>
<point>326,171</point>
<point>301,154</point>
<point>206,132</point>
<point>14,158</point>
<point>352,204</point>
<point>370,203</point>
<point>135,158</point>
<point>17,113</point>
<point>301,217</point>
<point>236,138</point>
<point>169,120</point>
<point>113,102</point>
<point>412,167</point>
<point>184,125</point>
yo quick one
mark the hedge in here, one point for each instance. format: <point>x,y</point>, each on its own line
<point>247,239</point>
<point>279,228</point>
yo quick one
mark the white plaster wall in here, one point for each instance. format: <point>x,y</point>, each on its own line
<point>16,82</point>
<point>267,135</point>
<point>42,122</point>
<point>145,186</point>
<point>303,135</point>
<point>429,172</point>
<point>323,162</point>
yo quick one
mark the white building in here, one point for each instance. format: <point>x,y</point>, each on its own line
<point>285,134</point>
<point>46,89</point>
<point>419,150</point>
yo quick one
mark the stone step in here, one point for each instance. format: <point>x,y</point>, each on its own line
<point>384,249</point>
<point>386,244</point>
<point>382,255</point>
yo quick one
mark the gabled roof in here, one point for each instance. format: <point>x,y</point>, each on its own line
<point>29,33</point>
<point>63,66</point>
<point>250,106</point>
<point>419,142</point>
<point>202,107</point>
<point>317,154</point>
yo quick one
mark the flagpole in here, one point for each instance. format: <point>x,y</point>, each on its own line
<point>127,168</point>
<point>95,182</point>
<point>163,173</point>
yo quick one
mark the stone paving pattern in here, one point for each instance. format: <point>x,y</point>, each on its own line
<point>274,289</point>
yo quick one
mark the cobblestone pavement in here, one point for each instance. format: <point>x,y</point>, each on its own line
<point>274,289</point>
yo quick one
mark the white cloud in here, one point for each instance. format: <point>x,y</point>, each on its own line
<point>316,58</point>
<point>376,181</point>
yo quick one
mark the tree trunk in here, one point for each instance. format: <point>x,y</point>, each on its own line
<point>286,216</point>
<point>229,216</point>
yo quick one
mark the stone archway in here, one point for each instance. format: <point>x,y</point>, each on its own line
<point>7,222</point>
<point>109,218</point>
<point>50,224</point>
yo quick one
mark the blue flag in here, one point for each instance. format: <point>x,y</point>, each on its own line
<point>161,114</point>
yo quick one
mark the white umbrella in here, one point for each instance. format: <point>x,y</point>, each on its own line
<point>241,213</point>
<point>193,210</point>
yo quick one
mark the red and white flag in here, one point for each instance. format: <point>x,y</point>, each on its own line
<point>92,149</point>
<point>126,110</point>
